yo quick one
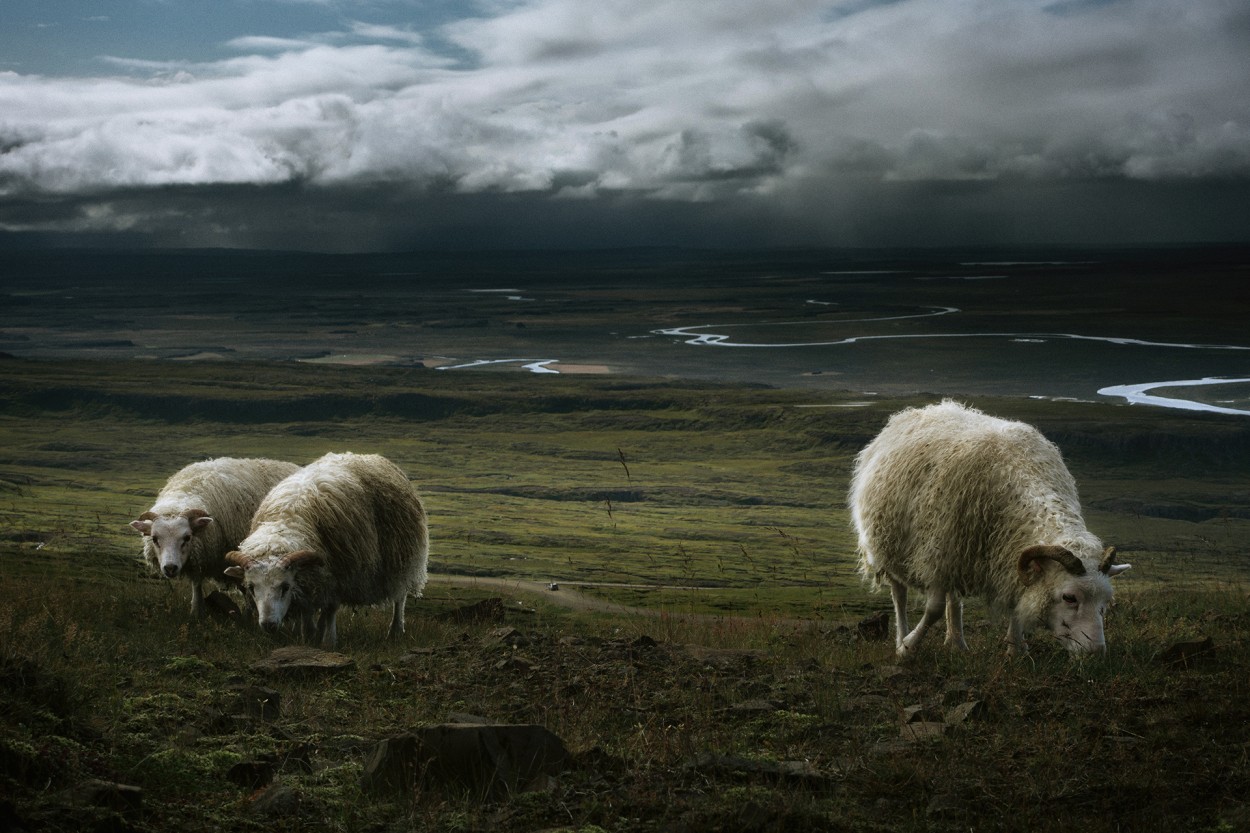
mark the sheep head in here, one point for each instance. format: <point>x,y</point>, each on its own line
<point>169,546</point>
<point>1070,600</point>
<point>275,582</point>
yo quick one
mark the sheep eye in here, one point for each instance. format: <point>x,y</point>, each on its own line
<point>284,588</point>
<point>186,537</point>
<point>1069,598</point>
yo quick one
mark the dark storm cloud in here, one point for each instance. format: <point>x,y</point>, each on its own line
<point>551,120</point>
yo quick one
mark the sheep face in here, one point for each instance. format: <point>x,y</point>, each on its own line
<point>276,585</point>
<point>1066,598</point>
<point>171,536</point>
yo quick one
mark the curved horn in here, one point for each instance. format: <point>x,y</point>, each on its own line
<point>192,514</point>
<point>1063,556</point>
<point>1108,558</point>
<point>238,559</point>
<point>301,558</point>
<point>148,516</point>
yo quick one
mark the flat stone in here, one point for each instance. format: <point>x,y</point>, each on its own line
<point>301,659</point>
<point>920,714</point>
<point>972,710</point>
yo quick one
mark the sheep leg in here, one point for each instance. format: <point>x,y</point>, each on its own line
<point>898,592</point>
<point>934,608</point>
<point>197,599</point>
<point>327,627</point>
<point>955,622</point>
<point>305,627</point>
<point>397,620</point>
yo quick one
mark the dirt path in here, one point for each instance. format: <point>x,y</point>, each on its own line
<point>565,595</point>
<point>568,596</point>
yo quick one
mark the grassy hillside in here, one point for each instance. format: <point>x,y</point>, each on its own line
<point>744,698</point>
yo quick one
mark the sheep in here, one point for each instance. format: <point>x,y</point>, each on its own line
<point>955,502</point>
<point>204,511</point>
<point>347,529</point>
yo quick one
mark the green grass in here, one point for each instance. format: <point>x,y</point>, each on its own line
<point>730,527</point>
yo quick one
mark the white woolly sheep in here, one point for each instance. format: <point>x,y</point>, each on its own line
<point>347,529</point>
<point>955,502</point>
<point>203,512</point>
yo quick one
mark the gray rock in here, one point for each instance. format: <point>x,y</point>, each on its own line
<point>875,627</point>
<point>1183,654</point>
<point>516,662</point>
<point>972,710</point>
<point>278,801</point>
<point>506,636</point>
<point>487,760</point>
<point>301,659</point>
<point>920,714</point>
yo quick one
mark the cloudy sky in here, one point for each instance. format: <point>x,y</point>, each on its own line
<point>397,124</point>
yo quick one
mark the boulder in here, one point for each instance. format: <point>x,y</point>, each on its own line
<point>487,760</point>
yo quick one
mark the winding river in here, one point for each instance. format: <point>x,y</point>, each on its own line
<point>714,335</point>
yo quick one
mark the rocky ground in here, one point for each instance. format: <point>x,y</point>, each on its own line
<point>497,719</point>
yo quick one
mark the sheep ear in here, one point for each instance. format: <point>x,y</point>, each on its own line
<point>142,526</point>
<point>235,572</point>
<point>1030,570</point>
<point>198,519</point>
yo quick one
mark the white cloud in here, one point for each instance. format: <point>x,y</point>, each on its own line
<point>677,99</point>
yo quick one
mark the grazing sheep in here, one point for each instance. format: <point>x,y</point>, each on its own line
<point>203,512</point>
<point>346,529</point>
<point>955,502</point>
